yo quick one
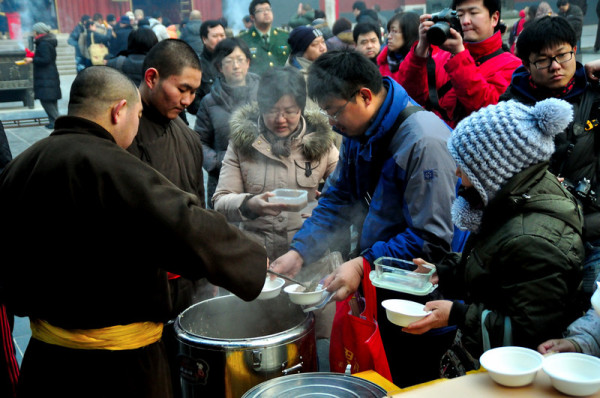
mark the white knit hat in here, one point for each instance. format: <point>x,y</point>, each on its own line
<point>40,27</point>
<point>499,141</point>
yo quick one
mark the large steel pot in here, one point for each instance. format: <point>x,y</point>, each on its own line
<point>314,385</point>
<point>227,345</point>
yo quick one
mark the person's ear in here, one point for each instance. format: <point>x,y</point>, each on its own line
<point>117,111</point>
<point>366,94</point>
<point>151,77</point>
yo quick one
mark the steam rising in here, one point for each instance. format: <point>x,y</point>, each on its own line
<point>234,11</point>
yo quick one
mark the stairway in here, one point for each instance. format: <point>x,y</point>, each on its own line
<point>65,54</point>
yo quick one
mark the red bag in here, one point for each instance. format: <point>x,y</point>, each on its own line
<point>356,340</point>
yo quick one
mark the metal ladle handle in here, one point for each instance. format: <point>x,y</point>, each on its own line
<point>288,278</point>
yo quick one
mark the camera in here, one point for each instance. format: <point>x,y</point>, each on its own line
<point>443,21</point>
<point>582,191</point>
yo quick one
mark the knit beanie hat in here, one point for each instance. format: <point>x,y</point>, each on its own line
<point>301,37</point>
<point>40,27</point>
<point>499,141</point>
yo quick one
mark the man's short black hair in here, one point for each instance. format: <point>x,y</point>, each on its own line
<point>359,5</point>
<point>206,25</point>
<point>362,28</point>
<point>491,5</point>
<point>340,74</point>
<point>169,57</point>
<point>544,33</point>
<point>254,3</point>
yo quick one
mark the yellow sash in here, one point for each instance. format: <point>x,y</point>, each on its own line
<point>119,337</point>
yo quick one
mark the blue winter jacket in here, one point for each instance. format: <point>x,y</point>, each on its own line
<point>396,184</point>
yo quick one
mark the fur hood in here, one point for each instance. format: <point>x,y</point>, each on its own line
<point>316,139</point>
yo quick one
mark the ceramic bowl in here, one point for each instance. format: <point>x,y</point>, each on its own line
<point>573,373</point>
<point>297,296</point>
<point>512,366</point>
<point>403,312</point>
<point>271,288</point>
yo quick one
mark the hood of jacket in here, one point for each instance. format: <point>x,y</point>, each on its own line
<point>48,38</point>
<point>316,138</point>
<point>230,97</point>
<point>520,84</point>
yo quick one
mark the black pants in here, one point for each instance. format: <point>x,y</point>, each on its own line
<point>51,108</point>
<point>413,359</point>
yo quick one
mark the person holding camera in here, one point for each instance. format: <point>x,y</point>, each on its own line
<point>470,71</point>
<point>548,47</point>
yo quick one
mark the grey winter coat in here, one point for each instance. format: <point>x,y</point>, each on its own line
<point>249,168</point>
<point>212,123</point>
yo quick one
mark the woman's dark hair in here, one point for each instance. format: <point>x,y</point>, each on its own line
<point>226,47</point>
<point>278,82</point>
<point>140,41</point>
<point>409,26</point>
<point>341,25</point>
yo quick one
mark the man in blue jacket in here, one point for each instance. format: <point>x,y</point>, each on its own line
<point>395,180</point>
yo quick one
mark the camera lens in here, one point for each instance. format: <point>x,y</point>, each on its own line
<point>438,33</point>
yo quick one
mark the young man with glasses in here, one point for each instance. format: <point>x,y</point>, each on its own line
<point>268,45</point>
<point>395,183</point>
<point>470,71</point>
<point>547,48</point>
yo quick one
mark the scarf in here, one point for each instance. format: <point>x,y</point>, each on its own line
<point>280,146</point>
<point>543,93</point>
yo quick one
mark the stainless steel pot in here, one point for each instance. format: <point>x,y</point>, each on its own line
<point>227,345</point>
<point>316,385</point>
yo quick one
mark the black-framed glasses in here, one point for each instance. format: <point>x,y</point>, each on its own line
<point>335,116</point>
<point>560,59</point>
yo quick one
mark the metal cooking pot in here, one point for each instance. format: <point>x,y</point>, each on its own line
<point>316,385</point>
<point>227,345</point>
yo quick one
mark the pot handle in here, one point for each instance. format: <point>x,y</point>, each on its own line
<point>294,369</point>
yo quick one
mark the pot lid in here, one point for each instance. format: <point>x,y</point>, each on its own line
<point>317,384</point>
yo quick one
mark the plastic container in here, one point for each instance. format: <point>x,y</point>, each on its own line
<point>401,276</point>
<point>296,199</point>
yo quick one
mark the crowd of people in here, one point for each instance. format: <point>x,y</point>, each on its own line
<point>464,154</point>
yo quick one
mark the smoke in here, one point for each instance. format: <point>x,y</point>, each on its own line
<point>235,11</point>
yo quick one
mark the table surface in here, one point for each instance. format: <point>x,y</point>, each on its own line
<point>480,385</point>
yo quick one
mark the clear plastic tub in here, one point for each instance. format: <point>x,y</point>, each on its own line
<point>296,199</point>
<point>400,275</point>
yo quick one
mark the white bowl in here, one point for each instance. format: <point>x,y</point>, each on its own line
<point>512,366</point>
<point>302,298</point>
<point>573,373</point>
<point>404,312</point>
<point>271,288</point>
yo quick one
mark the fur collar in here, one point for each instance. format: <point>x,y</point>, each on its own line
<point>316,139</point>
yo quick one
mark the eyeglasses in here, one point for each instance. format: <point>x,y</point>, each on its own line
<point>287,113</point>
<point>560,59</point>
<point>263,10</point>
<point>232,61</point>
<point>337,114</point>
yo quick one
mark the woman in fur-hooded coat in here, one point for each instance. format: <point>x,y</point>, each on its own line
<point>251,168</point>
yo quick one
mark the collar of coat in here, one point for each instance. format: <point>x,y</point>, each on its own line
<point>315,140</point>
<point>484,47</point>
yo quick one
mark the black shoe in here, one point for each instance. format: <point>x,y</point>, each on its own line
<point>49,126</point>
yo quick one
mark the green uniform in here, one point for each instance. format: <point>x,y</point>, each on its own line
<point>265,56</point>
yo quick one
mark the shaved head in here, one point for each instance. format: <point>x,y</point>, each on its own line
<point>96,88</point>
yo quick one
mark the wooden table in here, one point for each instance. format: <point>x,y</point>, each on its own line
<point>480,385</point>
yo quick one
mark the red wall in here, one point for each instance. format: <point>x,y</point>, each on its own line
<point>210,9</point>
<point>69,12</point>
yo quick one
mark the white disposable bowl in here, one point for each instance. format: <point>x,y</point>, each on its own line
<point>302,298</point>
<point>271,288</point>
<point>512,366</point>
<point>573,373</point>
<point>403,312</point>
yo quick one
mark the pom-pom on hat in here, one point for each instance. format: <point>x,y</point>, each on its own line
<point>40,28</point>
<point>499,141</point>
<point>301,37</point>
